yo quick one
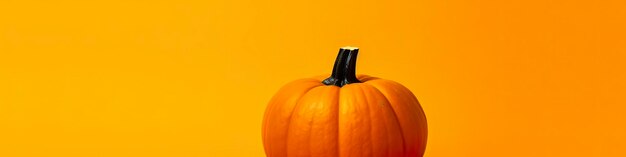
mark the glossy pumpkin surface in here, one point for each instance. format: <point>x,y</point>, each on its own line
<point>370,118</point>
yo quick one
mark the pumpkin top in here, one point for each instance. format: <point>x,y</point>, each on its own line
<point>350,48</point>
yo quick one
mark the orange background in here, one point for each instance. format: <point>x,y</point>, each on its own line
<point>186,78</point>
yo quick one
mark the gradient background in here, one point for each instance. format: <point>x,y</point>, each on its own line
<point>184,78</point>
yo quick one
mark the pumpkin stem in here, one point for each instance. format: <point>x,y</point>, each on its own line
<point>344,71</point>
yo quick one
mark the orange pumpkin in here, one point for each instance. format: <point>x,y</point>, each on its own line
<point>344,115</point>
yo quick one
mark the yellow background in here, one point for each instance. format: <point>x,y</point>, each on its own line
<point>187,78</point>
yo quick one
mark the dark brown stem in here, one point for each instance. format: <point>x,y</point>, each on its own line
<point>344,71</point>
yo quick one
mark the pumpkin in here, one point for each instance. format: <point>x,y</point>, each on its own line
<point>344,115</point>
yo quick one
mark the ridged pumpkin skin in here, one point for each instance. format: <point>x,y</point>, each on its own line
<point>370,118</point>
